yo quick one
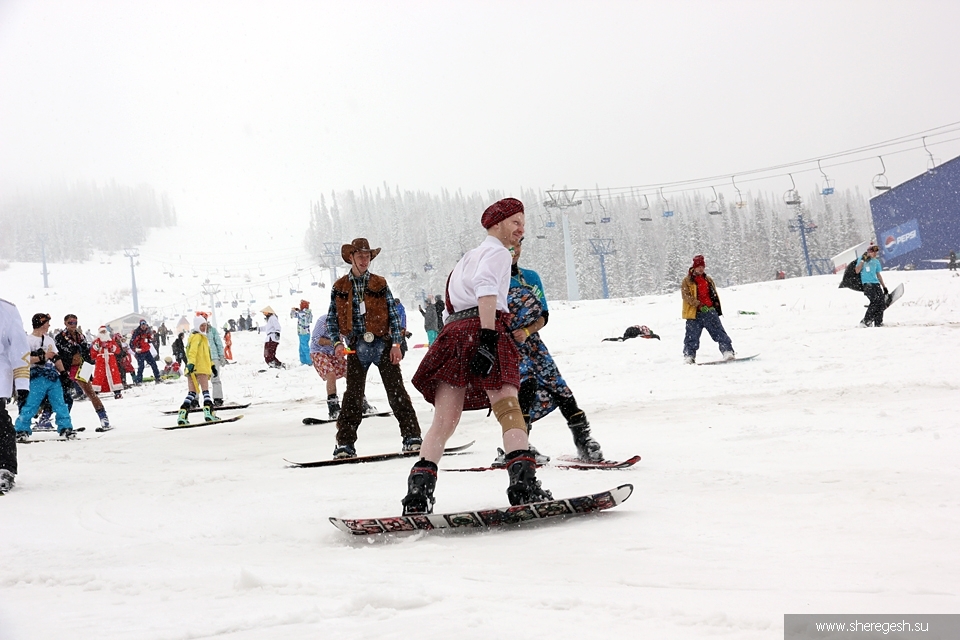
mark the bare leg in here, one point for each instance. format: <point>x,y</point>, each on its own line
<point>332,384</point>
<point>204,381</point>
<point>448,405</point>
<point>513,439</point>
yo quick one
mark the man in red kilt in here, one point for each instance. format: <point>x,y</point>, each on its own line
<point>363,309</point>
<point>474,364</point>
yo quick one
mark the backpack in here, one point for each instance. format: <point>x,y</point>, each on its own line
<point>851,279</point>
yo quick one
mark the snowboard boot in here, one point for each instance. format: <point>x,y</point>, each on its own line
<point>411,443</point>
<point>524,487</point>
<point>333,406</point>
<point>344,451</point>
<point>420,485</point>
<point>501,460</point>
<point>67,434</point>
<point>218,402</point>
<point>24,436</point>
<point>7,480</point>
<point>208,414</point>
<point>367,407</point>
<point>588,449</point>
<point>182,417</point>
<point>104,420</point>
<point>45,421</point>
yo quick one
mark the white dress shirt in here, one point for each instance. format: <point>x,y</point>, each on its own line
<point>484,271</point>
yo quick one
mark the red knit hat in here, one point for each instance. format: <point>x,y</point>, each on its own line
<point>500,211</point>
<point>698,261</point>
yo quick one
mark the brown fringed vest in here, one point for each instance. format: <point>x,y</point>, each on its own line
<point>375,297</point>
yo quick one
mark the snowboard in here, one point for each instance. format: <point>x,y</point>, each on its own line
<point>737,359</point>
<point>488,518</point>
<point>894,295</point>
<point>374,458</point>
<point>58,438</point>
<point>226,407</point>
<point>379,414</point>
<point>568,462</point>
<point>201,424</point>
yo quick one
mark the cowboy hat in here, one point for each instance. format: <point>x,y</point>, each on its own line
<point>359,244</point>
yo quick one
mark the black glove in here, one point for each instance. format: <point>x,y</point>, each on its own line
<point>213,368</point>
<point>41,355</point>
<point>22,395</point>
<point>885,292</point>
<point>482,363</point>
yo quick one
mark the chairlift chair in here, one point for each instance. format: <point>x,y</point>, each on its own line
<point>713,207</point>
<point>428,266</point>
<point>644,208</point>
<point>589,217</point>
<point>604,216</point>
<point>880,182</point>
<point>827,182</point>
<point>667,211</point>
<point>931,162</point>
<point>791,196</point>
<point>740,203</point>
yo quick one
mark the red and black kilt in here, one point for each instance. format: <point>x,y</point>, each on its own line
<point>448,360</point>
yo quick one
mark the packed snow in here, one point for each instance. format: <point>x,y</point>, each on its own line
<point>820,477</point>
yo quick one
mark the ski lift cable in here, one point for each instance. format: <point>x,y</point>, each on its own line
<point>654,189</point>
<point>837,155</point>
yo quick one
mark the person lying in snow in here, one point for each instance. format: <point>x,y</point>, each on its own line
<point>636,331</point>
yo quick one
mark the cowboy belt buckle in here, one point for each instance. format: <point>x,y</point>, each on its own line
<point>368,337</point>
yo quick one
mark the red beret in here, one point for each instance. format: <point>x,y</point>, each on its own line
<point>500,211</point>
<point>698,261</point>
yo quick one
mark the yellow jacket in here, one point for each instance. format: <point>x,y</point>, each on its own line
<point>688,290</point>
<point>198,354</point>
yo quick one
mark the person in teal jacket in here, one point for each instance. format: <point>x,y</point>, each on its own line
<point>869,268</point>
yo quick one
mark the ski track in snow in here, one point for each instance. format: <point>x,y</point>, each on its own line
<point>819,477</point>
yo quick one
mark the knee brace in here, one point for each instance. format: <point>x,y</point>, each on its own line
<point>508,414</point>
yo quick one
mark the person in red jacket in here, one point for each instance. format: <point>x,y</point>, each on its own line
<point>701,310</point>
<point>106,375</point>
<point>141,342</point>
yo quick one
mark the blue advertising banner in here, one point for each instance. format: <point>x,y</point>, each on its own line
<point>901,239</point>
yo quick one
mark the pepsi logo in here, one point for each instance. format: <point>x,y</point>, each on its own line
<point>889,242</point>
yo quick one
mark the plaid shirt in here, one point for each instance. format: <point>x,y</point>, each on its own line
<point>360,321</point>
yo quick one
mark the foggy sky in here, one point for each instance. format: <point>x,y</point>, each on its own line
<point>254,109</point>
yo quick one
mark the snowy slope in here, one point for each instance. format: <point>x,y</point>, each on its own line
<point>820,477</point>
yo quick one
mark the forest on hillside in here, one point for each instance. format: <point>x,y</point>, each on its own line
<point>69,222</point>
<point>645,252</point>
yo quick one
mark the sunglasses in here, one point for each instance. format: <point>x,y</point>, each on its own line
<point>72,323</point>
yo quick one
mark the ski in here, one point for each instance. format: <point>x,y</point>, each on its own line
<point>374,458</point>
<point>225,407</point>
<point>736,359</point>
<point>566,462</point>
<point>201,424</point>
<point>488,518</point>
<point>381,414</point>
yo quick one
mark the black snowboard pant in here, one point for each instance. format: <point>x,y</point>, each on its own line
<point>8,441</point>
<point>351,411</point>
<point>878,303</point>
<point>528,395</point>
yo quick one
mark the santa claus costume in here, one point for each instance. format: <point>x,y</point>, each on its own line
<point>106,374</point>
